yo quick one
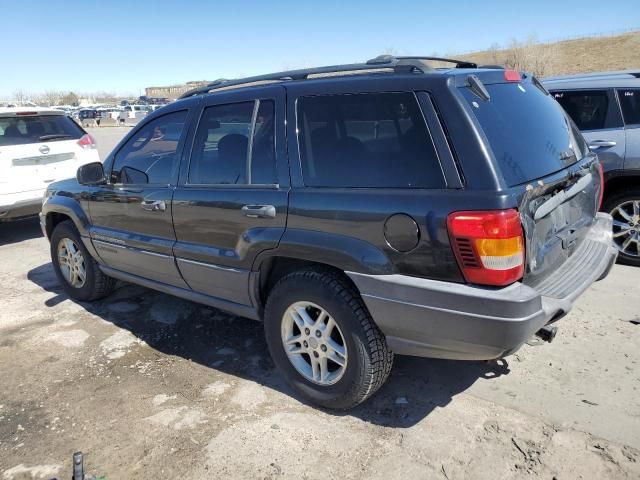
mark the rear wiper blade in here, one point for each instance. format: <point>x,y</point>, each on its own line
<point>53,136</point>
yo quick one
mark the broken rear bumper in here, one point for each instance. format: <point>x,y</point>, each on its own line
<point>431,318</point>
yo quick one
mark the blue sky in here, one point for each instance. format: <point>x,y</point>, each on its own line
<point>123,46</point>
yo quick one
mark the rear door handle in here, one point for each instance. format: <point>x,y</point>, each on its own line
<point>154,205</point>
<point>601,143</point>
<point>259,211</point>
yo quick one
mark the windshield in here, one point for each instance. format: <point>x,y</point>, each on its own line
<point>528,132</point>
<point>37,128</point>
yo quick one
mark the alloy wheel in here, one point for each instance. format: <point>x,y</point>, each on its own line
<point>71,263</point>
<point>314,343</point>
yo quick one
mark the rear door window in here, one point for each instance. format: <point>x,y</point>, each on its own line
<point>630,103</point>
<point>223,154</point>
<point>366,140</point>
<point>529,133</point>
<point>588,109</point>
<point>38,128</point>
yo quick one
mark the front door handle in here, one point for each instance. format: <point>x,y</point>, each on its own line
<point>601,143</point>
<point>153,205</point>
<point>259,211</point>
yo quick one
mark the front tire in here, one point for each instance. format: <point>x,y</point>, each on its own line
<point>624,207</point>
<point>323,339</point>
<point>78,273</point>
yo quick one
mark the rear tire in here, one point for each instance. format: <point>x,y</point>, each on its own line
<point>367,359</point>
<point>77,271</point>
<point>618,205</point>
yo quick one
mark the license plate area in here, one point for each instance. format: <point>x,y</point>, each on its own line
<point>42,159</point>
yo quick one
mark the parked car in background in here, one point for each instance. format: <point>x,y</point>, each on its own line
<point>606,108</point>
<point>38,146</point>
<point>444,213</point>
<point>88,114</point>
<point>133,112</point>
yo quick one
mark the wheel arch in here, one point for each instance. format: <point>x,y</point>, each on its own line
<point>616,183</point>
<point>275,267</point>
<point>58,209</point>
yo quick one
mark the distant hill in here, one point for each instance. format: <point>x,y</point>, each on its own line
<point>588,54</point>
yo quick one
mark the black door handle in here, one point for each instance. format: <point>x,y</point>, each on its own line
<point>259,211</point>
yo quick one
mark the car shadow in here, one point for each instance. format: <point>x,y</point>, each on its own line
<point>19,231</point>
<point>236,346</point>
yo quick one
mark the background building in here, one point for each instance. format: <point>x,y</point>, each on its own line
<point>173,91</point>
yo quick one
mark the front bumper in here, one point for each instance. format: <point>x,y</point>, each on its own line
<point>430,318</point>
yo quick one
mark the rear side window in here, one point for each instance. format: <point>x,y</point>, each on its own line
<point>630,103</point>
<point>223,154</point>
<point>529,133</point>
<point>588,109</point>
<point>37,129</point>
<point>366,140</point>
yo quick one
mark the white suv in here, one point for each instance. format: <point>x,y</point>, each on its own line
<point>37,146</point>
<point>134,111</point>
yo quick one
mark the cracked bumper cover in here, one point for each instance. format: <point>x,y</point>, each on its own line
<point>431,318</point>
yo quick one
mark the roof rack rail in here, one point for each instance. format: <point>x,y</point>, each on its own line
<point>382,62</point>
<point>383,59</point>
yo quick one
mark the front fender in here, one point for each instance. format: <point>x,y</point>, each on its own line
<point>67,206</point>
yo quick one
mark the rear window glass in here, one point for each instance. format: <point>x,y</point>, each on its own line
<point>366,140</point>
<point>38,129</point>
<point>588,109</point>
<point>630,103</point>
<point>528,131</point>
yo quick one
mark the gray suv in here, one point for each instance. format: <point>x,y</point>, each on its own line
<point>606,108</point>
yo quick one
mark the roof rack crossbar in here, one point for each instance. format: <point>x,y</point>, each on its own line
<point>400,65</point>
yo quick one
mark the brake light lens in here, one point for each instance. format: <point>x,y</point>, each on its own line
<point>512,76</point>
<point>87,141</point>
<point>601,195</point>
<point>489,245</point>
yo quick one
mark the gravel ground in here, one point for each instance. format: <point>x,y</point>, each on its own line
<point>149,386</point>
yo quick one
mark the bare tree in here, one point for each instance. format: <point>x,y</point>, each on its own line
<point>494,50</point>
<point>70,99</point>
<point>20,96</point>
<point>529,55</point>
<point>51,97</point>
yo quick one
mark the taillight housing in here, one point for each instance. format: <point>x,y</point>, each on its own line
<point>87,141</point>
<point>601,195</point>
<point>489,245</point>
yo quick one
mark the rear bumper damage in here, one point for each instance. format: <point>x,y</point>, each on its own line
<point>430,318</point>
<point>19,205</point>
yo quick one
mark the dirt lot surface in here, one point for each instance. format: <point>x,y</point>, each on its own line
<point>149,386</point>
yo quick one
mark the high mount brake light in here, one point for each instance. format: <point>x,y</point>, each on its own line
<point>87,141</point>
<point>512,76</point>
<point>489,245</point>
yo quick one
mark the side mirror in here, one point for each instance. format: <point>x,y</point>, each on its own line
<point>91,174</point>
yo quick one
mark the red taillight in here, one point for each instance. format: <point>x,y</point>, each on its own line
<point>489,246</point>
<point>24,114</point>
<point>512,76</point>
<point>87,141</point>
<point>601,195</point>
